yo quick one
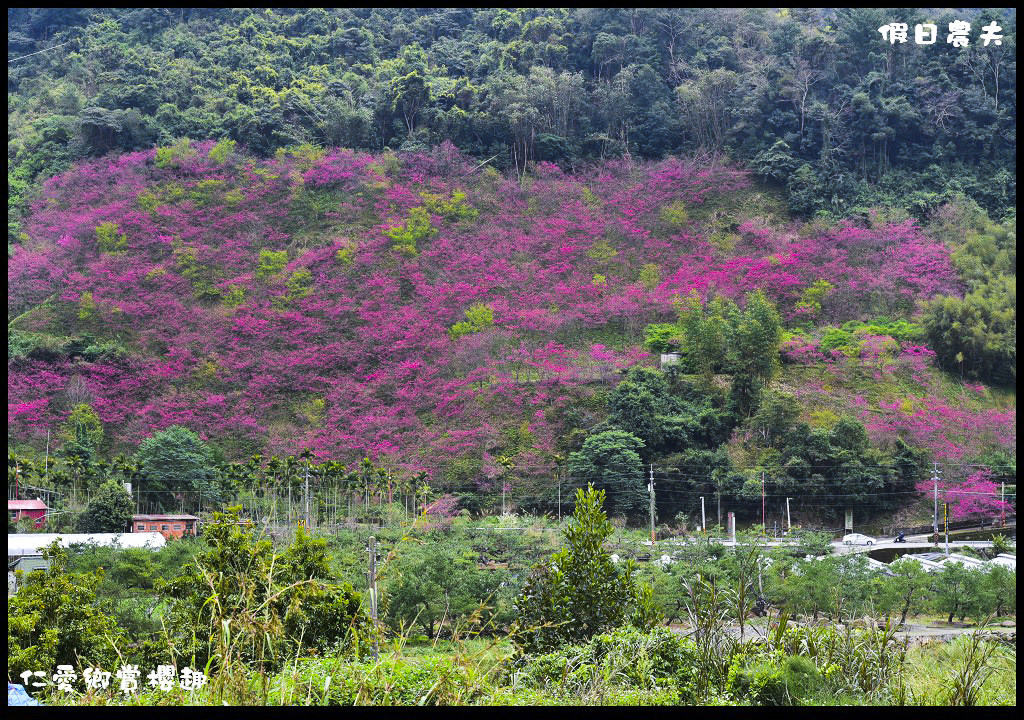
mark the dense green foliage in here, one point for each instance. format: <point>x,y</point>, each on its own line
<point>176,460</point>
<point>238,599</point>
<point>579,592</point>
<point>611,459</point>
<point>432,582</point>
<point>55,619</point>
<point>793,663</point>
<point>813,100</point>
<point>109,511</point>
<point>976,335</point>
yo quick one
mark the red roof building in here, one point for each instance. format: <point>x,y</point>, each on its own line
<point>17,509</point>
<point>168,525</point>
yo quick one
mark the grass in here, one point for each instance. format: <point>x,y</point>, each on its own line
<point>982,672</point>
<point>476,671</point>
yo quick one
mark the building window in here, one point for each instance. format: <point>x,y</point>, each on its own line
<point>177,527</point>
<point>152,527</point>
<point>142,526</point>
<point>163,527</point>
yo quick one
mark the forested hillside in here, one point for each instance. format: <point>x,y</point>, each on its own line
<point>434,315</point>
<point>812,100</point>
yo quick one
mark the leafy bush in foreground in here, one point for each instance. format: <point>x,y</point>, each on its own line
<point>580,592</point>
<point>54,619</point>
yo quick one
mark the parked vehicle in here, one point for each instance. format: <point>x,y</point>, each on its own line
<point>857,539</point>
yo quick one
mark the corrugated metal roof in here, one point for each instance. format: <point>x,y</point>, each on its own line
<point>962,559</point>
<point>26,505</point>
<point>163,517</point>
<point>33,543</point>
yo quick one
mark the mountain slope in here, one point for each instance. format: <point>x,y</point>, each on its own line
<point>420,309</point>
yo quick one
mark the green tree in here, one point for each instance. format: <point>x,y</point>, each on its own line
<point>753,352</point>
<point>1000,586</point>
<point>178,468</point>
<point>611,460</point>
<point>808,589</point>
<point>408,235</point>
<point>906,589</point>
<point>579,592</point>
<point>976,336</point>
<point>109,239</point>
<point>662,337</point>
<point>479,318</point>
<point>110,510</point>
<point>82,432</point>
<point>705,329</point>
<point>954,590</point>
<point>639,408</point>
<point>271,262</point>
<point>431,582</point>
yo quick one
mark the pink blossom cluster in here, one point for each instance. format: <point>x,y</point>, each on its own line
<point>264,303</point>
<point>979,496</point>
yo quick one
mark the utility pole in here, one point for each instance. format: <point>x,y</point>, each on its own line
<point>935,516</point>
<point>307,495</point>
<point>718,493</point>
<point>46,462</point>
<point>763,524</point>
<point>789,523</point>
<point>703,524</point>
<point>559,498</point>
<point>945,521</point>
<point>1002,505</point>
<point>650,489</point>
<point>373,592</point>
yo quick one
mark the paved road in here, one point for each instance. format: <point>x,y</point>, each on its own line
<point>916,633</point>
<point>840,549</point>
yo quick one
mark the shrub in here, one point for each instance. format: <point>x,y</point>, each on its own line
<point>802,677</point>
<point>579,591</point>
<point>271,262</point>
<point>758,679</point>
<point>407,235</point>
<point>454,208</point>
<point>240,601</point>
<point>110,510</point>
<point>662,337</point>
<point>220,152</point>
<point>109,239</point>
<point>56,619</point>
<point>674,215</point>
<point>479,317</point>
<point>234,296</point>
<point>175,154</point>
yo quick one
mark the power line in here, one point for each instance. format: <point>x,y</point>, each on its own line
<point>39,51</point>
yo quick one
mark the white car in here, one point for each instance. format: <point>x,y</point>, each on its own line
<point>857,539</point>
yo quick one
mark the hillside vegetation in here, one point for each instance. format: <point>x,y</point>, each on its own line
<point>430,313</point>
<point>810,99</point>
